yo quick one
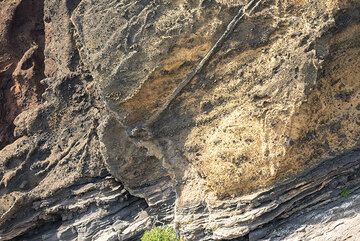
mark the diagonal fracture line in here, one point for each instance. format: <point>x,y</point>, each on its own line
<point>252,5</point>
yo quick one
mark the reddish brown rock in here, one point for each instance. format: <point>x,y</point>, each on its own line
<point>21,61</point>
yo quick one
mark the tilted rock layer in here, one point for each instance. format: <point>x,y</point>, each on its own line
<point>229,119</point>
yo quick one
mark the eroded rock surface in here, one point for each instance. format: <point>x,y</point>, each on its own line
<point>231,120</point>
<point>21,61</point>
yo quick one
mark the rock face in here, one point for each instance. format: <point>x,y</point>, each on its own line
<point>229,119</point>
<point>21,61</point>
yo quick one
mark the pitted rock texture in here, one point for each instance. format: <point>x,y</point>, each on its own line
<point>228,119</point>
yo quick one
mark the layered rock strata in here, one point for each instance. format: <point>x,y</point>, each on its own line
<point>231,120</point>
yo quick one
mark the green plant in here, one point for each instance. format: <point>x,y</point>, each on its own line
<point>345,193</point>
<point>165,233</point>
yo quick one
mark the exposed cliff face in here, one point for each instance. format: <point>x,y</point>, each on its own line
<point>229,119</point>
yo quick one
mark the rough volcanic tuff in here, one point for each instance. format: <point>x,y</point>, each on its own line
<point>230,119</point>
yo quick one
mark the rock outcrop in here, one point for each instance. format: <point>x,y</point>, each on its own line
<point>229,119</point>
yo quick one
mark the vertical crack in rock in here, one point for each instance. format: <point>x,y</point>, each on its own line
<point>75,61</point>
<point>53,181</point>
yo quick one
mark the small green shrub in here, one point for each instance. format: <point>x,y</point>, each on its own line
<point>345,193</point>
<point>165,233</point>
